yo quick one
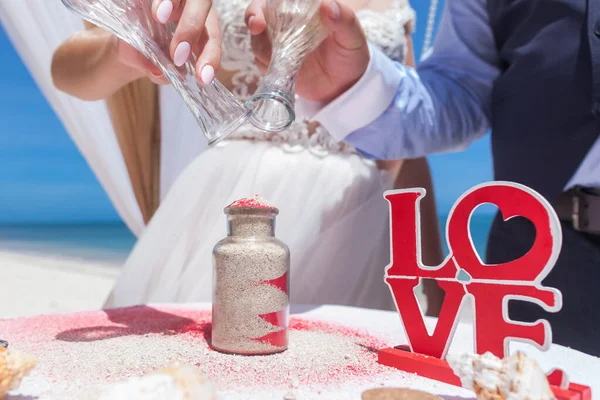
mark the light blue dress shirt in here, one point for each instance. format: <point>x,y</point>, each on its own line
<point>395,112</point>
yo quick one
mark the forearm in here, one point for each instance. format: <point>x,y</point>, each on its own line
<point>87,66</point>
<point>394,111</point>
<point>431,112</point>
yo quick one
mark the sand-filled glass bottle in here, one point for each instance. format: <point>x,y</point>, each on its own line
<point>250,282</point>
<point>215,108</point>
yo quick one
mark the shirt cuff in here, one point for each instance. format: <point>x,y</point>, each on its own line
<point>306,108</point>
<point>363,103</point>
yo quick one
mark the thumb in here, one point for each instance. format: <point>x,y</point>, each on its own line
<point>255,18</point>
<point>341,21</point>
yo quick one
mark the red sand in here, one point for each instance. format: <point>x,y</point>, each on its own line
<point>110,345</point>
<point>252,202</point>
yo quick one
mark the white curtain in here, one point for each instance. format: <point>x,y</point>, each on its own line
<point>36,28</point>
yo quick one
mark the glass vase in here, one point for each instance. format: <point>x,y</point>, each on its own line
<point>250,283</point>
<point>215,108</point>
<point>295,30</point>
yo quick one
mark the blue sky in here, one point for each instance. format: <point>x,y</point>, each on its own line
<point>43,178</point>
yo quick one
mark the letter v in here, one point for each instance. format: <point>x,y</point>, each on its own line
<point>420,341</point>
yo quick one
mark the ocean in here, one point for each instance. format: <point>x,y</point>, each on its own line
<point>98,242</point>
<point>480,228</point>
<point>112,242</point>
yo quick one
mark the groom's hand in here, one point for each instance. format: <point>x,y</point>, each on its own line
<point>335,66</point>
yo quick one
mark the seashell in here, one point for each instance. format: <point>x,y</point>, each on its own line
<point>516,377</point>
<point>13,367</point>
<point>175,382</point>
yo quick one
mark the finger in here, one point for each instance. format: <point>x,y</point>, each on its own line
<point>153,70</point>
<point>210,57</point>
<point>140,62</point>
<point>162,10</point>
<point>255,17</point>
<point>189,29</point>
<point>262,66</point>
<point>261,47</point>
<point>158,79</point>
<point>178,11</point>
<point>343,24</point>
<point>132,58</point>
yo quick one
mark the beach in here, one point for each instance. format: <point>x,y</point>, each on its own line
<point>50,269</point>
<point>34,284</point>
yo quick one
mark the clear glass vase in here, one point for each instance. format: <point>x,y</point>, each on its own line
<point>250,283</point>
<point>295,30</point>
<point>215,108</point>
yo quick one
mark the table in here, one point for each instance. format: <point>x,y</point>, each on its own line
<point>119,340</point>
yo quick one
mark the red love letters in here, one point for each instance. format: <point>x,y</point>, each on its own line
<point>463,274</point>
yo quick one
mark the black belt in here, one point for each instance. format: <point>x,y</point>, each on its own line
<point>580,207</point>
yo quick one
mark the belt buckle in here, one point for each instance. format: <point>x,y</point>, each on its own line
<point>576,214</point>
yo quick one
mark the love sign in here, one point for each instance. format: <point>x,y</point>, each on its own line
<point>464,275</point>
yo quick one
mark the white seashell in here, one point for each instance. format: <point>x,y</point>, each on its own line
<point>516,377</point>
<point>13,367</point>
<point>173,383</point>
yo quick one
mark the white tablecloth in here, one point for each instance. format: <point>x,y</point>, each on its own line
<point>580,367</point>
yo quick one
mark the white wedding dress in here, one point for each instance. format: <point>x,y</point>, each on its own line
<point>332,213</point>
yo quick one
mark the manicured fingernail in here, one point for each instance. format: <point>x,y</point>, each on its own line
<point>334,12</point>
<point>207,74</point>
<point>249,22</point>
<point>164,10</point>
<point>182,53</point>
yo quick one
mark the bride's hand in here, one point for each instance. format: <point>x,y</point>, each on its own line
<point>197,32</point>
<point>130,57</point>
<point>336,65</point>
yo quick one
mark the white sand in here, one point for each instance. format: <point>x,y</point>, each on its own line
<point>32,284</point>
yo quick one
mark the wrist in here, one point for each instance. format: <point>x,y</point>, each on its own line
<point>311,106</point>
<point>358,71</point>
<point>365,101</point>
